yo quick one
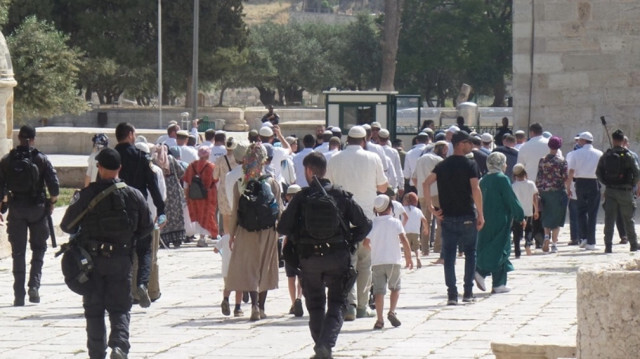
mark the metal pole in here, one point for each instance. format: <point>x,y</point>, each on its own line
<point>160,64</point>
<point>194,73</point>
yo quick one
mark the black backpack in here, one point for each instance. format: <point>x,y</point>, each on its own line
<point>257,206</point>
<point>197,190</point>
<point>616,167</point>
<point>320,216</point>
<point>22,173</point>
<point>108,221</point>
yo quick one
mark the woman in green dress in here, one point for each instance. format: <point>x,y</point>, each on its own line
<point>501,208</point>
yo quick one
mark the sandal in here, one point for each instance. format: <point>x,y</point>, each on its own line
<point>378,325</point>
<point>393,319</point>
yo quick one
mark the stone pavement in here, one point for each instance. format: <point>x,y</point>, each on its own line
<point>186,321</point>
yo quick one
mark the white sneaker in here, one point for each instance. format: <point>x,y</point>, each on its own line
<point>582,243</point>
<point>501,289</point>
<point>480,281</point>
<point>554,249</point>
<point>591,247</point>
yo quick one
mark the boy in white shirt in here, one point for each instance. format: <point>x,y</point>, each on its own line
<point>527,193</point>
<point>386,259</point>
<point>412,225</point>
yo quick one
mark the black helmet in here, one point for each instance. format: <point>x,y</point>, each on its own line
<point>76,268</point>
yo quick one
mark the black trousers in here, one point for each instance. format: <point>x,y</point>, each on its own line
<point>143,251</point>
<point>111,291</point>
<point>588,193</point>
<point>22,220</point>
<point>320,272</point>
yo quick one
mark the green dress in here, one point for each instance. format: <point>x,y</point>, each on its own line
<point>501,207</point>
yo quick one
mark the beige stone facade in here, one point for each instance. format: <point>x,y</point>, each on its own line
<point>608,305</point>
<point>7,83</point>
<point>586,64</point>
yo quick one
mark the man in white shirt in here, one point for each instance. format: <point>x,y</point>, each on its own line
<point>521,138</point>
<point>424,167</point>
<point>487,143</point>
<point>170,138</point>
<point>334,147</point>
<point>218,149</point>
<point>582,166</point>
<point>208,137</point>
<point>533,150</point>
<point>308,141</point>
<point>372,147</point>
<point>397,179</point>
<point>324,147</point>
<point>411,158</point>
<point>188,154</point>
<point>267,134</point>
<point>452,130</point>
<point>359,172</point>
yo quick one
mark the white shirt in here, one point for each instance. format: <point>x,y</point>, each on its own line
<point>524,191</point>
<point>530,154</point>
<point>323,148</point>
<point>377,149</point>
<point>398,210</point>
<point>394,156</point>
<point>222,245</point>
<point>92,168</point>
<point>359,172</point>
<point>188,154</point>
<point>385,240</point>
<point>216,151</point>
<point>279,154</point>
<point>411,158</point>
<point>584,161</point>
<point>415,219</point>
<point>424,167</point>
<point>230,180</point>
<point>330,154</point>
<point>170,141</point>
<point>301,179</point>
<point>518,146</point>
<point>161,186</point>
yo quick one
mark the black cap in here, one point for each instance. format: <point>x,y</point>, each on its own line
<point>109,159</point>
<point>460,136</point>
<point>618,135</point>
<point>27,132</point>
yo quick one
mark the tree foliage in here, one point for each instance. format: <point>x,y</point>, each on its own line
<point>46,69</point>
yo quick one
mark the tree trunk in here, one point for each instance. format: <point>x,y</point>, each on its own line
<point>293,95</point>
<point>221,95</point>
<point>281,97</point>
<point>391,32</point>
<point>267,95</point>
<point>499,92</point>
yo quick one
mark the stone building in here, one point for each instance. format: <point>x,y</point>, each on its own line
<point>7,83</point>
<point>574,61</point>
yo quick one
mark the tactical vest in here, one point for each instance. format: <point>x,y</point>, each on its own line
<point>108,222</point>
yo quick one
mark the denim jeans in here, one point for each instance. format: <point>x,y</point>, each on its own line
<point>462,232</point>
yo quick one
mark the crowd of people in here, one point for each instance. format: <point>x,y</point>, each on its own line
<point>346,214</point>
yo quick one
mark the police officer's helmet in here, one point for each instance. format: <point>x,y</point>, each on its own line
<point>76,268</point>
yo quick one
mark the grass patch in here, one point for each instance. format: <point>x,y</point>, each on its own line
<point>64,197</point>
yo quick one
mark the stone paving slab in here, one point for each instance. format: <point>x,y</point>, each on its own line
<point>186,321</point>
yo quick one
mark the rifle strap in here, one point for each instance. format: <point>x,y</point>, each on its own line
<point>94,202</point>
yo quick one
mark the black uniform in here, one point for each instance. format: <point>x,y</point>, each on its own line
<point>325,265</point>
<point>108,233</point>
<point>27,211</point>
<point>137,173</point>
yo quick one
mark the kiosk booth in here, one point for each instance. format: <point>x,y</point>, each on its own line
<point>400,114</point>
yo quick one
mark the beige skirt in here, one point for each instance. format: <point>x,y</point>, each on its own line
<point>254,261</point>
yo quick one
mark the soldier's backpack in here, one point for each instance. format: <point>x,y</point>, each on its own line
<point>257,206</point>
<point>616,167</point>
<point>23,174</point>
<point>322,219</point>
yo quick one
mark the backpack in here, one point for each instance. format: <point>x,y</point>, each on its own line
<point>257,206</point>
<point>197,189</point>
<point>615,167</point>
<point>108,221</point>
<point>23,174</point>
<point>320,216</point>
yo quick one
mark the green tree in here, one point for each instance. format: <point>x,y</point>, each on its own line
<point>46,69</point>
<point>359,54</point>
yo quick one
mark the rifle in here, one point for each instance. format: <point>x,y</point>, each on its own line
<point>606,130</point>
<point>52,231</point>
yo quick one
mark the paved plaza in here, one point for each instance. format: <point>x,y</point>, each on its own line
<point>186,321</point>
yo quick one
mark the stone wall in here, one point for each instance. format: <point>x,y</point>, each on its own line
<point>586,64</point>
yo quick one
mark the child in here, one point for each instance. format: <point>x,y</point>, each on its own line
<point>295,291</point>
<point>412,226</point>
<point>222,246</point>
<point>527,194</point>
<point>386,259</point>
<point>397,209</point>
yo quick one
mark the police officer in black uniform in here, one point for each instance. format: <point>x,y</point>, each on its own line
<point>108,232</point>
<point>324,265</point>
<point>618,195</point>
<point>136,172</point>
<point>28,209</point>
